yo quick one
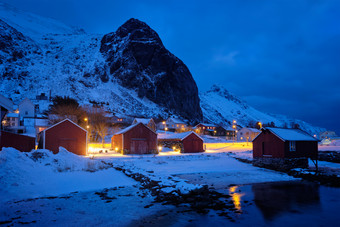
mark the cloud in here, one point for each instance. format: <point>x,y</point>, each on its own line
<point>228,59</point>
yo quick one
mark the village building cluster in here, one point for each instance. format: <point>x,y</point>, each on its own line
<point>24,127</point>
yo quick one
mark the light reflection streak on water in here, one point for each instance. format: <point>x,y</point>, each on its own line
<point>236,197</point>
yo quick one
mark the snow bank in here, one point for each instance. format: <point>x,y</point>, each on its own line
<point>41,173</point>
<point>335,143</point>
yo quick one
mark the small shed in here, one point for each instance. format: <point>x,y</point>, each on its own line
<point>288,144</point>
<point>186,142</point>
<point>19,142</point>
<point>66,134</point>
<point>135,139</point>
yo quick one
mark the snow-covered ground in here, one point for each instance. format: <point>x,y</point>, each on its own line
<point>46,189</point>
<point>41,173</point>
<point>329,148</point>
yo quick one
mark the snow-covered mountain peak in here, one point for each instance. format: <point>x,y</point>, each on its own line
<point>221,92</point>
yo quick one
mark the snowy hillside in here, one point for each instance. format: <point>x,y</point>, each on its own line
<point>220,106</point>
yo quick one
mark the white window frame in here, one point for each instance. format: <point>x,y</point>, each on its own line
<point>292,146</point>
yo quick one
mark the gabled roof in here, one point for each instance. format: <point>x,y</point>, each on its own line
<point>176,120</point>
<point>177,136</point>
<point>229,128</point>
<point>251,129</point>
<point>64,121</point>
<point>12,115</point>
<point>143,120</point>
<point>131,127</point>
<point>26,100</point>
<point>290,134</point>
<point>207,125</point>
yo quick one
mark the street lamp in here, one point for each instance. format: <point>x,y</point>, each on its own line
<point>260,124</point>
<point>234,127</point>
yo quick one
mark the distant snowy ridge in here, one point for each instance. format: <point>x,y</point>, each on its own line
<point>220,106</point>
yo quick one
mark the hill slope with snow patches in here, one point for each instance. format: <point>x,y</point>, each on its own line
<point>68,62</point>
<point>220,106</point>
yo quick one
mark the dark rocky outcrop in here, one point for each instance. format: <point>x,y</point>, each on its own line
<point>138,60</point>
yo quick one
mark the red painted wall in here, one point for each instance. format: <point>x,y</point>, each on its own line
<point>192,144</point>
<point>19,142</point>
<point>138,140</point>
<point>141,133</point>
<point>117,141</point>
<point>269,145</point>
<point>67,135</point>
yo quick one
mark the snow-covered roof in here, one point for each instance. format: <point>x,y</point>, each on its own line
<point>63,121</point>
<point>229,128</point>
<point>131,127</point>
<point>142,120</point>
<point>207,125</point>
<point>291,134</point>
<point>176,120</point>
<point>6,103</point>
<point>12,115</point>
<point>178,136</point>
<point>252,130</point>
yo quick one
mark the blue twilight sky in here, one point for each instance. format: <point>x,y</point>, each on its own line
<point>281,56</point>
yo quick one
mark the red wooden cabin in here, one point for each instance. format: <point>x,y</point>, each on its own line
<point>284,143</point>
<point>189,142</point>
<point>19,142</point>
<point>66,134</point>
<point>135,139</point>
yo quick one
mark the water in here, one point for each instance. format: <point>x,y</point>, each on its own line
<point>294,203</point>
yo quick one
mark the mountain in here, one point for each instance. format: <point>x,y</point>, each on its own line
<point>129,71</point>
<point>138,59</point>
<point>221,106</point>
<point>32,25</point>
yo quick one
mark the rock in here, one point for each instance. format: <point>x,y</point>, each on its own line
<point>138,60</point>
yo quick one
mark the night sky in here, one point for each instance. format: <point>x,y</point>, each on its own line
<point>280,56</point>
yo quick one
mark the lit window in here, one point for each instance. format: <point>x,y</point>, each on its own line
<point>203,127</point>
<point>292,146</point>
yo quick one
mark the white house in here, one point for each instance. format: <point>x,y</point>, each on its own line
<point>328,135</point>
<point>247,134</point>
<point>174,124</point>
<point>26,109</point>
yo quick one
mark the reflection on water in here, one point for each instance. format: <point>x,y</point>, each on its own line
<point>236,197</point>
<point>275,198</point>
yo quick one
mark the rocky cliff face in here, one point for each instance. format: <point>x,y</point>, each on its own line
<point>138,60</point>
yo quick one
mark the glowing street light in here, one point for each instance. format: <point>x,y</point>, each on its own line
<point>160,148</point>
<point>85,119</point>
<point>260,124</point>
